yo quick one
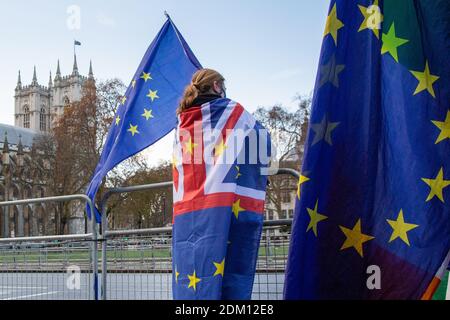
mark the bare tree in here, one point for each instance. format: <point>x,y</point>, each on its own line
<point>109,94</point>
<point>289,133</point>
<point>287,129</point>
<point>72,149</point>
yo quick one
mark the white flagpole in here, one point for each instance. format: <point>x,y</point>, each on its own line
<point>447,296</point>
<point>442,274</point>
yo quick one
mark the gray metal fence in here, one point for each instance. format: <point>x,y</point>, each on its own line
<point>43,267</point>
<point>137,263</point>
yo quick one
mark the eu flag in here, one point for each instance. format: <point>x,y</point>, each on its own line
<point>146,112</point>
<point>373,216</point>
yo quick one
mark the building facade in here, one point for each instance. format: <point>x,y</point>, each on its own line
<point>287,189</point>
<point>37,107</point>
<point>20,178</point>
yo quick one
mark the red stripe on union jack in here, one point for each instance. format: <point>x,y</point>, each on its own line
<point>200,175</point>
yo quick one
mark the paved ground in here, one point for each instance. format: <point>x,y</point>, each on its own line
<point>126,286</point>
<point>58,286</point>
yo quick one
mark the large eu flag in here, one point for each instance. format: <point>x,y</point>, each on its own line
<point>146,112</point>
<point>373,216</point>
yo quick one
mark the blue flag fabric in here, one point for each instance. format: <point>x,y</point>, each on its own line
<point>220,156</point>
<point>373,216</point>
<point>147,110</point>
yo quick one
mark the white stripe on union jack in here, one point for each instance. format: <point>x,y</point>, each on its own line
<point>200,184</point>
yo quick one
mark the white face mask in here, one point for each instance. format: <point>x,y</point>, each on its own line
<point>223,91</point>
<point>223,94</point>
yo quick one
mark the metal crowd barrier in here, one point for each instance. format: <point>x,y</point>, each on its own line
<point>135,264</point>
<point>272,256</point>
<point>33,267</point>
<point>138,263</point>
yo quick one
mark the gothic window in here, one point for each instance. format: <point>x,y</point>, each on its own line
<point>42,120</point>
<point>286,196</point>
<point>66,101</point>
<point>26,117</point>
<point>291,213</point>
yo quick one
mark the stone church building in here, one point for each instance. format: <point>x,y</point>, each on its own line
<point>36,109</point>
<point>37,106</point>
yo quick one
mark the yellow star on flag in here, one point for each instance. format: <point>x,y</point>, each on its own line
<point>315,218</point>
<point>372,18</point>
<point>146,76</point>
<point>124,99</point>
<point>444,127</point>
<point>220,148</point>
<point>189,146</point>
<point>117,120</point>
<point>176,275</point>
<point>220,268</point>
<point>174,162</point>
<point>147,114</point>
<point>426,80</point>
<point>238,172</point>
<point>391,42</point>
<point>133,83</point>
<point>153,94</point>
<point>301,181</point>
<point>193,280</point>
<point>237,208</point>
<point>329,72</point>
<point>437,186</point>
<point>400,228</point>
<point>333,25</point>
<point>355,238</point>
<point>133,129</point>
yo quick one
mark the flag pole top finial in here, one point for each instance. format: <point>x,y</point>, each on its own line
<point>166,14</point>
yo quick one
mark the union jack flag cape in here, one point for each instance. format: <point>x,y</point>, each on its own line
<point>220,161</point>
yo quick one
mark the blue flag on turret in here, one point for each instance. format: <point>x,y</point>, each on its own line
<point>147,110</point>
<point>373,216</point>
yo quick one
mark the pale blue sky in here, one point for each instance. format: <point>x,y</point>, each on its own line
<point>267,50</point>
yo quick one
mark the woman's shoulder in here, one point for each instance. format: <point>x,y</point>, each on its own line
<point>225,102</point>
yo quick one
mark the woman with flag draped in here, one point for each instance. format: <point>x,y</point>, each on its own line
<point>220,159</point>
